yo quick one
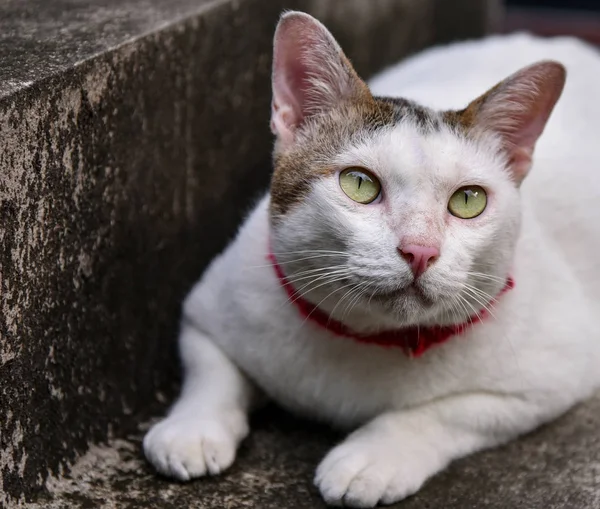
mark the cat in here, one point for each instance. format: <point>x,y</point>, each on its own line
<point>407,277</point>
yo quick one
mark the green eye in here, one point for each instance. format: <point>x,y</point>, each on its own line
<point>468,202</point>
<point>360,185</point>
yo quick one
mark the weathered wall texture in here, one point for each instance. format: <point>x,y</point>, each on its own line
<point>133,134</point>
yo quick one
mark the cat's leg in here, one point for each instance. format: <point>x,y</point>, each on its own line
<point>393,455</point>
<point>201,434</point>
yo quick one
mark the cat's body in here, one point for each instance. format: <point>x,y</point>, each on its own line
<point>534,358</point>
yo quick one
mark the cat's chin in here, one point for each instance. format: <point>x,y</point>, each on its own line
<point>409,296</point>
<point>408,305</point>
<point>415,305</point>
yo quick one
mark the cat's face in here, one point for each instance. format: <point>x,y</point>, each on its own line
<point>354,249</point>
<point>384,209</point>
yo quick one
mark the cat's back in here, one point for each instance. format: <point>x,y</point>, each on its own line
<point>449,77</point>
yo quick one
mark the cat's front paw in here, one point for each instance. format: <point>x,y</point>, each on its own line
<point>363,473</point>
<point>189,447</point>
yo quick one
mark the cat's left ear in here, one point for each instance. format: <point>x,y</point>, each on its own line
<point>517,109</point>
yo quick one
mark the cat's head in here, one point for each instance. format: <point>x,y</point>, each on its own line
<point>387,213</point>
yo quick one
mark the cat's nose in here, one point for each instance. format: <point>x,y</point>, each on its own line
<point>419,257</point>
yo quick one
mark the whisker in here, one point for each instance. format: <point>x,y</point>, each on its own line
<point>313,251</point>
<point>323,278</point>
<point>460,300</point>
<point>296,260</point>
<point>359,292</point>
<point>313,272</point>
<point>485,295</point>
<point>312,278</point>
<point>479,301</point>
<point>331,280</point>
<point>347,294</point>
<point>490,299</point>
<point>454,311</point>
<point>489,277</point>
<point>323,300</point>
<point>464,301</point>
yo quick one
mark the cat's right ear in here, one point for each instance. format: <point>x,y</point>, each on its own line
<point>517,109</point>
<point>311,74</point>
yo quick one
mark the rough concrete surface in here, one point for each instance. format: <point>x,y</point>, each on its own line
<point>134,134</point>
<point>40,38</point>
<point>556,467</point>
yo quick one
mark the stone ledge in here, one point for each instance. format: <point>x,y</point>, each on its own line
<point>44,38</point>
<point>556,467</point>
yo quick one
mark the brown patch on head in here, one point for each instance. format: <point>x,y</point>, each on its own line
<point>465,119</point>
<point>321,139</point>
<point>319,105</point>
<point>424,118</point>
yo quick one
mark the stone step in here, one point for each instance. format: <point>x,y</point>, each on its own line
<point>556,467</point>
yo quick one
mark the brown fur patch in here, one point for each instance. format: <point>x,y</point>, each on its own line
<point>423,117</point>
<point>318,142</point>
<point>465,119</point>
<point>322,137</point>
<point>340,108</point>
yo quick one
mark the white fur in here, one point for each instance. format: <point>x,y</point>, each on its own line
<point>534,360</point>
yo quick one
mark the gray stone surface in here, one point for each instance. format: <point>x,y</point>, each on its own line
<point>556,467</point>
<point>134,133</point>
<point>39,38</point>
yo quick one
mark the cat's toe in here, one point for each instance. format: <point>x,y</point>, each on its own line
<point>186,448</point>
<point>363,475</point>
<point>218,454</point>
<point>367,487</point>
<point>335,474</point>
<point>181,468</point>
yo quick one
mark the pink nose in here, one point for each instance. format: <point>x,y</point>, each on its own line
<point>419,257</point>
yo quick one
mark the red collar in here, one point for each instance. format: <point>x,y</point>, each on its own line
<point>413,340</point>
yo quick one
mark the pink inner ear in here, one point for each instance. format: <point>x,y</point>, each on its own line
<point>537,105</point>
<point>519,109</point>
<point>294,63</point>
<point>309,73</point>
<point>530,126</point>
<point>289,86</point>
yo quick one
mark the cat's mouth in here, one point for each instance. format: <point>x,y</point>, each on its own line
<point>414,292</point>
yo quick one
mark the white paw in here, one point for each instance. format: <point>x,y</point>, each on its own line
<point>189,447</point>
<point>363,473</point>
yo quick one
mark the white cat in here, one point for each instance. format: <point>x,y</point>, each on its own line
<point>372,288</point>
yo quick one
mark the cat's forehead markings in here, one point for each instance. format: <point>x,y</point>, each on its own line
<point>465,119</point>
<point>295,171</point>
<point>422,117</point>
<point>319,144</point>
